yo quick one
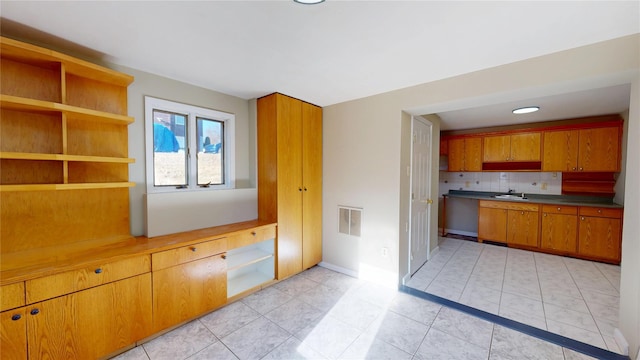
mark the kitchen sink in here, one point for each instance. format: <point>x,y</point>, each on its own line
<point>510,197</point>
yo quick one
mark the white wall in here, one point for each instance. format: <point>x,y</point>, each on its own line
<point>363,141</point>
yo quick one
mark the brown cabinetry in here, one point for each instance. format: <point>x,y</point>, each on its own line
<point>600,233</point>
<point>13,334</point>
<point>290,179</point>
<point>492,223</point>
<point>558,231</point>
<point>522,228</point>
<point>465,154</point>
<point>515,147</point>
<point>508,222</point>
<point>188,281</point>
<point>591,150</point>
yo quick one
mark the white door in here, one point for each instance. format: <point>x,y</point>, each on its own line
<point>420,193</point>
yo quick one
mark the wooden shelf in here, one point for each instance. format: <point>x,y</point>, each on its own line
<point>26,52</point>
<point>62,157</point>
<point>246,282</point>
<point>55,187</point>
<point>25,104</point>
<point>246,258</point>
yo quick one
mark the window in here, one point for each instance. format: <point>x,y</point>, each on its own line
<point>188,147</point>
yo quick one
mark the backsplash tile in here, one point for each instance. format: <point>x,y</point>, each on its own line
<point>548,183</point>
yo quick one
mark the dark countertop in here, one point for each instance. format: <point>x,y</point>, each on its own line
<point>571,200</point>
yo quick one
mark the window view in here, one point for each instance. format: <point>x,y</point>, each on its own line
<point>188,147</point>
<point>169,144</point>
<point>210,134</point>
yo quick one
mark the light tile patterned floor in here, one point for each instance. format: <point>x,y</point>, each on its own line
<point>321,314</point>
<point>574,298</point>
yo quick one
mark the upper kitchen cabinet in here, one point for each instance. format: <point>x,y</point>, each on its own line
<point>515,147</point>
<point>465,154</point>
<point>290,179</point>
<point>592,149</point>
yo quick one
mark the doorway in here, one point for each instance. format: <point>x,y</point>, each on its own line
<point>421,202</point>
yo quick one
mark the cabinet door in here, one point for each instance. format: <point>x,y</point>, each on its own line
<point>525,147</point>
<point>289,253</point>
<point>492,224</point>
<point>559,232</point>
<point>456,155</point>
<point>599,237</point>
<point>599,149</point>
<point>13,334</point>
<point>497,148</point>
<point>91,323</point>
<point>473,154</point>
<point>560,151</point>
<point>522,228</point>
<point>185,291</point>
<point>312,188</point>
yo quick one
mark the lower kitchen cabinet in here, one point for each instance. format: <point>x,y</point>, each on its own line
<point>185,291</point>
<point>522,228</point>
<point>13,334</point>
<point>91,323</point>
<point>492,223</point>
<point>600,233</point>
<point>559,228</point>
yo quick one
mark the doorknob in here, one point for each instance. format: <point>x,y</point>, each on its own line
<point>428,201</point>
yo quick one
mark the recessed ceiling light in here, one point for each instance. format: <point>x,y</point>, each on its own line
<point>526,110</point>
<point>309,2</point>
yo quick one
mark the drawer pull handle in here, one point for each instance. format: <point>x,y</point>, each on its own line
<point>253,233</point>
<point>193,249</point>
<point>558,209</point>
<point>582,218</point>
<point>545,214</point>
<point>16,317</point>
<point>599,211</point>
<point>224,257</point>
<point>98,271</point>
<point>35,311</point>
<point>573,168</point>
<point>580,169</point>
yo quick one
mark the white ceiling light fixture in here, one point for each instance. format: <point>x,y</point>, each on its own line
<point>308,2</point>
<point>526,110</point>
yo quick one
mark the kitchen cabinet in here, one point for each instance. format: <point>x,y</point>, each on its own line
<point>250,260</point>
<point>559,229</point>
<point>592,149</point>
<point>600,233</point>
<point>91,323</point>
<point>188,281</point>
<point>465,154</point>
<point>508,222</point>
<point>290,179</point>
<point>514,147</point>
<point>13,334</point>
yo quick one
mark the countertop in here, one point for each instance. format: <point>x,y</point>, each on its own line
<point>572,200</point>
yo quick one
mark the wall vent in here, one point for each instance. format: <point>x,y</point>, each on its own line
<point>350,220</point>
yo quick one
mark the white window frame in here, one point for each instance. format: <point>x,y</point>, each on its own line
<point>192,112</point>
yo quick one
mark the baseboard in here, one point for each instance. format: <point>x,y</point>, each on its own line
<point>339,269</point>
<point>433,252</point>
<point>622,342</point>
<point>461,232</point>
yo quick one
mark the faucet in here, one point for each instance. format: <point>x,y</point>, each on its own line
<point>511,191</point>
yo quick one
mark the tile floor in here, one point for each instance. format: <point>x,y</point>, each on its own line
<point>321,314</point>
<point>574,298</point>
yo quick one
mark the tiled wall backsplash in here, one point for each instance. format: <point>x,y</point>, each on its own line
<point>548,183</point>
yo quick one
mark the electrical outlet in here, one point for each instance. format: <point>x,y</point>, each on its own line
<point>466,184</point>
<point>385,252</point>
<point>543,186</point>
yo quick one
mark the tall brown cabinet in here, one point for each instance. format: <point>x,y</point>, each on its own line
<point>290,179</point>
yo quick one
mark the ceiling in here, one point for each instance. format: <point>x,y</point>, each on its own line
<point>335,51</point>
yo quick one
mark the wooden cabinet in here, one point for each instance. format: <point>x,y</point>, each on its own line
<point>559,228</point>
<point>64,127</point>
<point>91,323</point>
<point>188,281</point>
<point>515,147</point>
<point>13,334</point>
<point>522,227</point>
<point>600,233</point>
<point>592,149</point>
<point>290,179</point>
<point>250,260</point>
<point>508,222</point>
<point>465,154</point>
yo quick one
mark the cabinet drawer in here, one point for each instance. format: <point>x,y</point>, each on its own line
<point>11,296</point>
<point>251,237</point>
<point>601,212</point>
<point>71,281</point>
<point>508,205</point>
<point>560,209</point>
<point>181,255</point>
